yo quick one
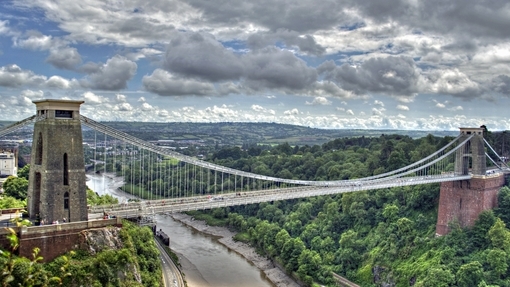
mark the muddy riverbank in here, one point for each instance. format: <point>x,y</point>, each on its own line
<point>276,275</point>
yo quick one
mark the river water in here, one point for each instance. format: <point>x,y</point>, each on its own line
<point>205,262</point>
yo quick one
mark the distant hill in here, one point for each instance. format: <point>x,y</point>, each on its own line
<point>261,133</point>
<point>233,133</point>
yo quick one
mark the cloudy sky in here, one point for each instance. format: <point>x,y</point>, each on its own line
<point>400,64</point>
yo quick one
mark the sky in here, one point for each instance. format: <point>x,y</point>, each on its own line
<point>341,64</point>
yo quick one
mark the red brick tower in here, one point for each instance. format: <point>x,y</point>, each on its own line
<point>462,201</point>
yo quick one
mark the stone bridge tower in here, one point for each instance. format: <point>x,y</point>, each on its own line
<point>471,157</point>
<point>461,202</point>
<point>57,188</point>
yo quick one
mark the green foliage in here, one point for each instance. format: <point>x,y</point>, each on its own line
<point>7,202</point>
<point>503,209</point>
<point>209,218</point>
<point>470,274</point>
<point>375,237</point>
<point>16,187</point>
<point>499,235</point>
<point>106,268</point>
<point>96,199</point>
<point>20,271</point>
<point>24,172</point>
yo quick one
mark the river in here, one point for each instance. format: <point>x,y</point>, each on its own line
<point>205,262</point>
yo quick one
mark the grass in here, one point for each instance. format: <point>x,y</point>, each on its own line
<point>209,219</point>
<point>242,237</point>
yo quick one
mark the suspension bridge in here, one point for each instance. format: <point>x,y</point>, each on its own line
<point>168,181</point>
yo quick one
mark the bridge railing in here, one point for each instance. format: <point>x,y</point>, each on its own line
<point>233,199</point>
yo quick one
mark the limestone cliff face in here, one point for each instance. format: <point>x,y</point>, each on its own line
<point>99,239</point>
<point>108,238</point>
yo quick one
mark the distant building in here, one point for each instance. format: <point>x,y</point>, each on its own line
<point>8,161</point>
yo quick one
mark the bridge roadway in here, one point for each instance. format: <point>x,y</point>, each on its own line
<point>147,207</point>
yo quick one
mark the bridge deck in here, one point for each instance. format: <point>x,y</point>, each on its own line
<point>137,209</point>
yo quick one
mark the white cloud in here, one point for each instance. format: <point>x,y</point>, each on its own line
<point>113,75</point>
<point>21,101</point>
<point>146,107</point>
<point>93,99</point>
<point>119,98</point>
<point>13,76</point>
<point>456,108</point>
<point>291,112</point>
<point>319,101</point>
<point>34,41</point>
<point>453,82</point>
<point>64,58</point>
<point>123,107</point>
<point>378,112</point>
<point>61,83</point>
<point>143,53</point>
<point>257,108</point>
<point>163,114</point>
<point>166,84</point>
<point>397,57</point>
<point>378,103</point>
<point>402,108</point>
<point>4,27</point>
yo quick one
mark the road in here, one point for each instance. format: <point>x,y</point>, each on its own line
<point>171,274</point>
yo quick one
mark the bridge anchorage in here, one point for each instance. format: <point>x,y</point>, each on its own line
<point>173,182</point>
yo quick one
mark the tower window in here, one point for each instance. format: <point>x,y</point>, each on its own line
<point>39,150</point>
<point>66,200</point>
<point>66,170</point>
<point>64,114</point>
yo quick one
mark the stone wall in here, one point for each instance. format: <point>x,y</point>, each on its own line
<point>53,240</point>
<point>462,202</point>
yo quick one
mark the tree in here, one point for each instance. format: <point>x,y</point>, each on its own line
<point>499,235</point>
<point>24,172</point>
<point>470,274</point>
<point>7,202</point>
<point>309,263</point>
<point>390,212</point>
<point>349,255</point>
<point>498,261</point>
<point>95,199</point>
<point>503,209</point>
<point>16,187</point>
<point>291,251</point>
<point>438,277</point>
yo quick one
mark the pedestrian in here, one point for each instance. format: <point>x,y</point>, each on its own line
<point>64,220</point>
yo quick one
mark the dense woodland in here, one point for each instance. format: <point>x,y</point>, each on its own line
<point>374,238</point>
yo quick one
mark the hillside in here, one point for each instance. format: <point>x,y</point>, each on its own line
<point>233,133</point>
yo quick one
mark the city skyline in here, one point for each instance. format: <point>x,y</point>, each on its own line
<point>331,64</point>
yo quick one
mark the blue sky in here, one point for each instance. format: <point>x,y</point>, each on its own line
<point>428,65</point>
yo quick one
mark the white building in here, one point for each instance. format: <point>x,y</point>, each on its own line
<point>8,163</point>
